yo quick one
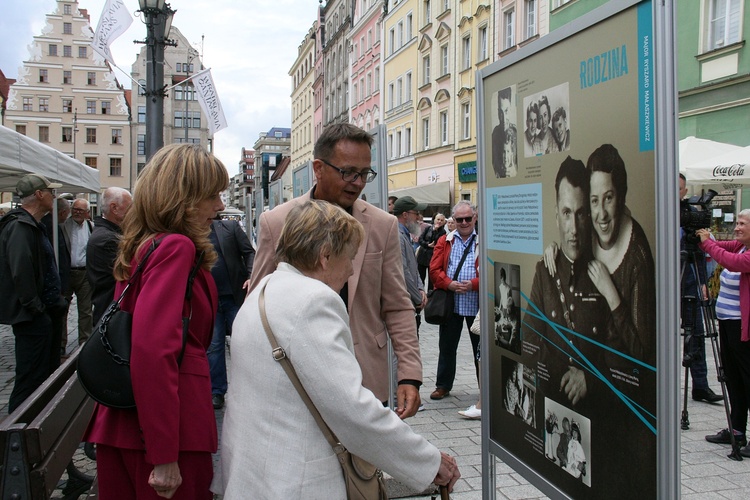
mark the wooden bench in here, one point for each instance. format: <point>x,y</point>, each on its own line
<point>39,438</point>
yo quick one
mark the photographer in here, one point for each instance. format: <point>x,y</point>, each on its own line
<point>733,312</point>
<point>691,315</point>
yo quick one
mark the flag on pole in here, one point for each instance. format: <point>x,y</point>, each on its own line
<point>114,22</point>
<point>209,100</point>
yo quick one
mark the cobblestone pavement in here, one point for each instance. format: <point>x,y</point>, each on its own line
<point>706,472</point>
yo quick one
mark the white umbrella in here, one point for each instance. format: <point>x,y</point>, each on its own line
<point>729,170</point>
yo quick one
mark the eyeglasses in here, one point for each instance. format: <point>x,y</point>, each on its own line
<point>79,211</point>
<point>461,220</point>
<point>351,175</point>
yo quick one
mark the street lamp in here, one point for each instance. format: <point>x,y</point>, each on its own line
<point>158,16</point>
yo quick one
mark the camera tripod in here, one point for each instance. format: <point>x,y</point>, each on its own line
<point>693,302</point>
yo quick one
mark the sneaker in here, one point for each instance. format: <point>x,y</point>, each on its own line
<point>722,437</point>
<point>421,408</point>
<point>472,413</point>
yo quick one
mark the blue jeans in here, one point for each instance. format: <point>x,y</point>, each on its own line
<point>450,336</point>
<point>217,361</point>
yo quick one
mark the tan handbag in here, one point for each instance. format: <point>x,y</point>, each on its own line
<point>363,480</point>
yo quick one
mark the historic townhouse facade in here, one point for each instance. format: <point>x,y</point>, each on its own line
<point>183,116</point>
<point>365,58</point>
<point>338,15</point>
<point>67,97</point>
<point>302,74</point>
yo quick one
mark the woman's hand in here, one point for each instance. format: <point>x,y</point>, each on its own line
<point>550,253</point>
<point>602,280</point>
<point>703,234</point>
<point>165,479</point>
<point>448,472</point>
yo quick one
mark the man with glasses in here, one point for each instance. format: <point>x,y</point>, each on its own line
<point>447,259</point>
<point>375,295</point>
<point>31,286</point>
<point>78,229</point>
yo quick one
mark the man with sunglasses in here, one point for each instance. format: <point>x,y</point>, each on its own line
<point>375,295</point>
<point>446,260</point>
<point>31,286</point>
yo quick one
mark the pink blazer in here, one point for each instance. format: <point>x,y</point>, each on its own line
<point>173,404</point>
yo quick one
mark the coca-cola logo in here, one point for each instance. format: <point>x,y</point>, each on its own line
<point>735,170</point>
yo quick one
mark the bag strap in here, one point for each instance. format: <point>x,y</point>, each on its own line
<point>280,355</point>
<point>463,257</point>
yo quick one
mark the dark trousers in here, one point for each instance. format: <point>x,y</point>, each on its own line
<point>692,317</point>
<point>217,361</point>
<point>735,356</point>
<point>450,336</point>
<point>34,354</point>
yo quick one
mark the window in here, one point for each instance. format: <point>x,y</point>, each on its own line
<point>83,52</point>
<point>466,113</point>
<point>376,80</point>
<point>68,28</point>
<point>21,129</point>
<point>407,141</point>
<point>116,136</point>
<point>409,18</point>
<point>141,144</point>
<point>426,70</point>
<point>91,107</point>
<point>44,104</point>
<point>196,119</point>
<point>724,23</point>
<point>392,40</point>
<point>362,94</point>
<point>67,105</point>
<point>446,5</point>
<point>141,114</point>
<point>425,133</point>
<point>43,76</point>
<point>178,68</point>
<point>391,151</point>
<point>90,161</point>
<point>52,49</point>
<point>67,134</point>
<point>509,38</point>
<point>443,128</point>
<point>466,51</point>
<point>400,34</point>
<point>178,120</point>
<point>369,39</point>
<point>397,144</point>
<point>91,135</point>
<point>67,9</point>
<point>530,6</point>
<point>67,77</point>
<point>106,108</point>
<point>91,78</point>
<point>391,96</point>
<point>43,133</point>
<point>444,60</point>
<point>28,104</point>
<point>369,83</point>
<point>558,3</point>
<point>356,93</point>
<point>399,92</point>
<point>407,93</point>
<point>67,51</point>
<point>178,93</point>
<point>427,11</point>
<point>140,167</point>
<point>482,49</point>
<point>115,167</point>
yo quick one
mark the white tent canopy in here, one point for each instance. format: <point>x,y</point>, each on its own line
<point>20,155</point>
<point>432,194</point>
<point>693,149</point>
<point>730,170</point>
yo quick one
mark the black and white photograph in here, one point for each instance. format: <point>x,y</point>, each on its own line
<point>547,121</point>
<point>567,440</point>
<point>505,135</point>
<point>507,310</point>
<point>519,396</point>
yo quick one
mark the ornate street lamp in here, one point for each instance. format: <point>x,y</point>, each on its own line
<point>158,16</point>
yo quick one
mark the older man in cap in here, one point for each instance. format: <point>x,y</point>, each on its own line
<point>406,210</point>
<point>32,302</point>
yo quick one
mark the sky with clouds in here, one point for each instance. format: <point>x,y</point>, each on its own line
<point>249,46</point>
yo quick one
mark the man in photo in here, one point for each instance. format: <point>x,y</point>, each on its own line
<point>500,132</point>
<point>560,131</point>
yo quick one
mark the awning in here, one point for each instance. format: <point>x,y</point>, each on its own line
<point>438,193</point>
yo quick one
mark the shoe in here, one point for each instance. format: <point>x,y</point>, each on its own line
<point>421,408</point>
<point>706,395</point>
<point>722,437</point>
<point>745,451</point>
<point>472,413</point>
<point>218,401</point>
<point>439,393</point>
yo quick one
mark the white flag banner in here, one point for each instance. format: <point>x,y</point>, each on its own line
<point>209,100</point>
<point>114,22</point>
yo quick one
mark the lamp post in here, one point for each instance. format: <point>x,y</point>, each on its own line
<point>158,16</point>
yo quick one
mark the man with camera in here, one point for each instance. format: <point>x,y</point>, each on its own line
<point>693,283</point>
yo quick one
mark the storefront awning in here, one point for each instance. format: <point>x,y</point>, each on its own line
<point>438,193</point>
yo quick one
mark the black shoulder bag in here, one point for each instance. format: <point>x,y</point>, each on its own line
<point>440,303</point>
<point>103,364</point>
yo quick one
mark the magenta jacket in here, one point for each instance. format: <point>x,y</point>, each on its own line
<point>725,253</point>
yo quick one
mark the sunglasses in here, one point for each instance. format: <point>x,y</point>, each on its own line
<point>461,220</point>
